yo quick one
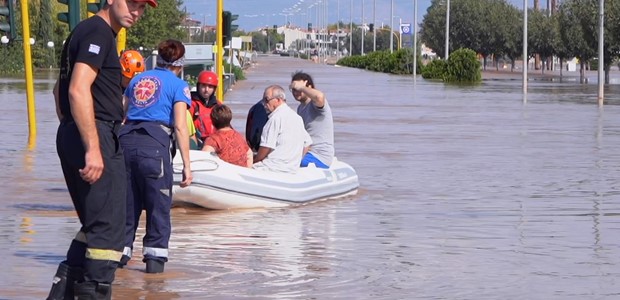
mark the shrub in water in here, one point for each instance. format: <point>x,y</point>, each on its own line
<point>463,66</point>
<point>436,69</point>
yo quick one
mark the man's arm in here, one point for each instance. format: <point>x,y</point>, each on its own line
<point>307,143</point>
<point>125,105</point>
<point>180,129</point>
<point>262,153</point>
<point>83,112</point>
<point>317,97</point>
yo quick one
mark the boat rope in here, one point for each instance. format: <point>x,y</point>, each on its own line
<point>205,165</point>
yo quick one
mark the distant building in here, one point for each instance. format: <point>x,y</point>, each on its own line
<point>191,26</point>
<point>428,53</point>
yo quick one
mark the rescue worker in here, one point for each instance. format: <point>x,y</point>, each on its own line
<point>203,100</point>
<point>132,64</point>
<point>157,109</point>
<point>90,110</point>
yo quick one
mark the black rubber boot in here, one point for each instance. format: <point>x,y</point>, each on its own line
<point>154,266</point>
<point>91,290</point>
<point>60,283</point>
<point>75,275</point>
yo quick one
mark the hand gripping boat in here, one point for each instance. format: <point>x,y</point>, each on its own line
<point>220,185</point>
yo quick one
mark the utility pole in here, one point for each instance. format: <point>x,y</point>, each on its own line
<point>392,26</point>
<point>447,28</point>
<point>351,29</point>
<point>601,54</point>
<point>525,56</point>
<point>415,39</point>
<point>338,30</point>
<point>374,22</point>
<point>363,26</point>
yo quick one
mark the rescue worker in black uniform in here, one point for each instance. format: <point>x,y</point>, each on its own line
<point>89,106</point>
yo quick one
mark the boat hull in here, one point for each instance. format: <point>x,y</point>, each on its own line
<point>220,185</point>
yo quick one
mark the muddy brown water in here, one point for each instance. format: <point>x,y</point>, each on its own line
<point>466,193</point>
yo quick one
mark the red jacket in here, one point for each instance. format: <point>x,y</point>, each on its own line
<point>201,114</point>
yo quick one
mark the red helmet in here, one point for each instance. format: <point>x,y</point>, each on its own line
<point>208,77</point>
<point>132,63</point>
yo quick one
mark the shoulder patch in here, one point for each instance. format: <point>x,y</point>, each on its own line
<point>94,48</point>
<point>187,92</point>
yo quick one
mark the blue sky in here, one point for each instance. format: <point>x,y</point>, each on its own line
<point>260,13</point>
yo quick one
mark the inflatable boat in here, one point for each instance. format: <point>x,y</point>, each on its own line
<point>220,185</point>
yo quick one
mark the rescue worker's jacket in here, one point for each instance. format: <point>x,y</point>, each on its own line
<point>201,114</point>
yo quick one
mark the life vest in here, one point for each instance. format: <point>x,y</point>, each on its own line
<point>201,114</point>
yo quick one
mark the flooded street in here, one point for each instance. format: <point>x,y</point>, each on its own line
<point>465,193</point>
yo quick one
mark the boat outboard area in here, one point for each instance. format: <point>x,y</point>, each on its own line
<point>221,185</point>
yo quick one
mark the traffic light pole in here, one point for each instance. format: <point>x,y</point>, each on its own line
<point>72,16</point>
<point>9,14</point>
<point>32,122</point>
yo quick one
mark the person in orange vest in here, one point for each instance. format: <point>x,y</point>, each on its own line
<point>203,101</point>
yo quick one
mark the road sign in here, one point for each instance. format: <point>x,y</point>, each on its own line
<point>405,28</point>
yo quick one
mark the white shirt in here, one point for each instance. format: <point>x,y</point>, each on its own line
<point>284,133</point>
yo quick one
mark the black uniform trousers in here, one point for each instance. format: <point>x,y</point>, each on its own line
<point>101,206</point>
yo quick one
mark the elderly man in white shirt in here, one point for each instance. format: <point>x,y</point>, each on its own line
<point>284,140</point>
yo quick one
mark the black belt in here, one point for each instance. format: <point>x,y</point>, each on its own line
<point>114,125</point>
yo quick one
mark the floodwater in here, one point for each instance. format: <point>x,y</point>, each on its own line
<point>466,193</point>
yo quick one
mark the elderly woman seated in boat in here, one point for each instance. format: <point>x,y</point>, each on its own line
<point>284,139</point>
<point>226,142</point>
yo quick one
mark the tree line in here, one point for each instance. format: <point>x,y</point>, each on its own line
<point>494,28</point>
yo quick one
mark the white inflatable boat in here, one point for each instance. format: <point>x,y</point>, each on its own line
<point>220,185</point>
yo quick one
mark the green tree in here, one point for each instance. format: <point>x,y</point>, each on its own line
<point>576,27</point>
<point>45,34</point>
<point>509,36</point>
<point>156,25</point>
<point>612,34</point>
<point>541,35</point>
<point>357,41</point>
<point>469,26</point>
<point>433,27</point>
<point>561,44</point>
<point>265,40</point>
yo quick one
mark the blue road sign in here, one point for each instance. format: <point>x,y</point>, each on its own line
<point>405,28</point>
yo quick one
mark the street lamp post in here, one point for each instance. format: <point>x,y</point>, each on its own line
<point>525,57</point>
<point>601,43</point>
<point>204,25</point>
<point>447,28</point>
<point>391,26</point>
<point>374,22</point>
<point>268,39</point>
<point>338,30</point>
<point>363,26</point>
<point>415,39</point>
<point>351,29</point>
